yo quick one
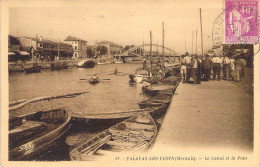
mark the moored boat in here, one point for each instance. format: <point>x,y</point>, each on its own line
<point>31,134</point>
<point>153,90</point>
<point>34,69</point>
<point>132,135</point>
<point>98,121</point>
<point>86,64</point>
<point>58,66</point>
<point>119,62</point>
<point>159,100</point>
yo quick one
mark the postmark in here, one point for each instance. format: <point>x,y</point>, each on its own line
<point>241,21</point>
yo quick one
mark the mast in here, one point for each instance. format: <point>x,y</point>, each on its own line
<point>59,50</point>
<point>157,53</point>
<point>201,33</point>
<point>151,50</point>
<point>185,43</point>
<point>192,44</point>
<point>143,46</point>
<point>196,41</point>
<point>163,42</point>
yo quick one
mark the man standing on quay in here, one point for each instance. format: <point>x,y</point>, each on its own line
<point>194,68</point>
<point>188,63</point>
<point>216,67</point>
<point>183,69</point>
<point>226,67</point>
<point>207,67</point>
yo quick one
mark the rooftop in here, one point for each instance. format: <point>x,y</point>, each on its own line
<point>43,40</point>
<point>71,38</point>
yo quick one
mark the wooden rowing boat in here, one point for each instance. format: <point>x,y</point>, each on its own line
<point>34,69</point>
<point>86,64</point>
<point>153,90</point>
<point>159,100</point>
<point>135,134</point>
<point>31,134</point>
<point>93,80</point>
<point>59,66</point>
<point>103,120</point>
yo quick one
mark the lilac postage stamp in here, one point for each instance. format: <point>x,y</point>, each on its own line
<point>241,21</point>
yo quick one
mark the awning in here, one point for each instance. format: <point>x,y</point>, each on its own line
<point>24,53</point>
<point>11,53</point>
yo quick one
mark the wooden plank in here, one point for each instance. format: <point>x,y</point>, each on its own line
<point>132,125</point>
<point>114,143</point>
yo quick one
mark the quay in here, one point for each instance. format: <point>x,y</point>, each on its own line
<point>214,116</point>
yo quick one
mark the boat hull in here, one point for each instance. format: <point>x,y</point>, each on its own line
<point>58,67</point>
<point>139,133</point>
<point>86,64</point>
<point>31,148</point>
<point>35,69</point>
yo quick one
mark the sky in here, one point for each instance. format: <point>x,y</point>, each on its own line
<point>123,22</point>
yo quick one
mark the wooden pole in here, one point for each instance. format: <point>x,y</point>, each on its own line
<point>196,41</point>
<point>201,33</point>
<point>151,50</point>
<point>185,43</point>
<point>59,50</point>
<point>192,44</point>
<point>157,53</point>
<point>163,43</point>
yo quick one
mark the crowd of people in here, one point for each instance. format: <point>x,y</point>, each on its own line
<point>201,67</point>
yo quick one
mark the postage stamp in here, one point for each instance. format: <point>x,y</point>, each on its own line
<point>241,21</point>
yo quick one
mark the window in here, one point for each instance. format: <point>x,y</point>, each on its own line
<point>76,47</point>
<point>76,54</point>
<point>40,45</point>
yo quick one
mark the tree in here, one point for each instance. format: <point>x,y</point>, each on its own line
<point>13,40</point>
<point>127,47</point>
<point>102,50</point>
<point>90,52</point>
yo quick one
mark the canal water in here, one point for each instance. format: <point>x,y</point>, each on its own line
<point>113,93</point>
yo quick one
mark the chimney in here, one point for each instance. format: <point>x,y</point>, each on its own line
<point>41,38</point>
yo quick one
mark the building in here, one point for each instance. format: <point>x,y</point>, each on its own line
<point>111,47</point>
<point>79,46</point>
<point>47,48</point>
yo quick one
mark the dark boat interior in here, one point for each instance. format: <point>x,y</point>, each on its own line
<point>26,128</point>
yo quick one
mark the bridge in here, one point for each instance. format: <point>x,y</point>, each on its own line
<point>144,50</point>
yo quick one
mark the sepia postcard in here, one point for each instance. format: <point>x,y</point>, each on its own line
<point>130,83</point>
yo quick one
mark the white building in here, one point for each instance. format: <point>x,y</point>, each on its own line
<point>79,46</point>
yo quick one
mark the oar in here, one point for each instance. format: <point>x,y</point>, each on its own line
<point>88,79</point>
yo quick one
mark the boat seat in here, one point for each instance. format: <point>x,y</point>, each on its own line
<point>27,125</point>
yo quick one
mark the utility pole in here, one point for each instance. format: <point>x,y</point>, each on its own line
<point>201,33</point>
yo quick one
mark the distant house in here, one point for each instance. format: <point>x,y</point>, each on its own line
<point>112,47</point>
<point>47,48</point>
<point>79,46</point>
